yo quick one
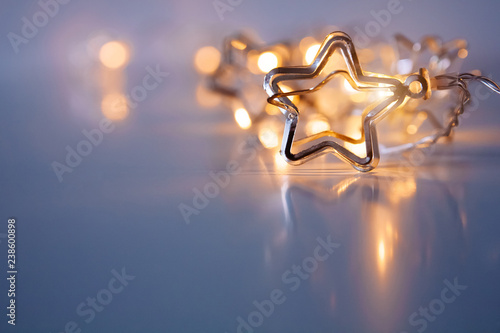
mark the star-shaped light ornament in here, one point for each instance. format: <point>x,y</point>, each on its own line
<point>244,62</point>
<point>395,91</point>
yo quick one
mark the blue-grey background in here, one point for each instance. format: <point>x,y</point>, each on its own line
<point>119,207</point>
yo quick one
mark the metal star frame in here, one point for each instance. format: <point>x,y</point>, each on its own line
<point>359,80</point>
<point>235,52</point>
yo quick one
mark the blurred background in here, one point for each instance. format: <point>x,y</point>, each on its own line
<point>110,144</point>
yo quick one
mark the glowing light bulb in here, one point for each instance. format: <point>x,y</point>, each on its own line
<point>242,118</point>
<point>114,54</point>
<point>311,53</point>
<point>268,61</point>
<point>422,116</point>
<point>463,53</point>
<point>207,59</point>
<point>114,106</point>
<point>268,138</point>
<point>411,129</point>
<point>239,45</point>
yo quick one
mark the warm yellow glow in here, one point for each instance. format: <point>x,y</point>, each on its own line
<point>242,118</point>
<point>268,61</point>
<point>358,98</point>
<point>355,95</point>
<point>381,251</point>
<point>389,230</point>
<point>463,53</point>
<point>384,244</point>
<point>293,98</point>
<point>357,149</point>
<point>238,44</point>
<point>326,101</point>
<point>344,185</point>
<point>348,88</point>
<point>382,94</point>
<point>353,129</point>
<point>114,54</point>
<point>268,138</point>
<point>318,125</point>
<point>114,106</point>
<point>311,53</point>
<point>403,188</point>
<point>305,43</point>
<point>207,60</point>
<point>422,116</point>
<point>336,62</point>
<point>279,162</point>
<point>272,110</point>
<point>411,129</point>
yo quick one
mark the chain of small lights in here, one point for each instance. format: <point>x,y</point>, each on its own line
<point>332,111</point>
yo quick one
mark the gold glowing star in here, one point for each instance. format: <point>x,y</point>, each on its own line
<point>324,142</point>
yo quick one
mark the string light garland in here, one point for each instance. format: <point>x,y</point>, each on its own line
<point>339,104</point>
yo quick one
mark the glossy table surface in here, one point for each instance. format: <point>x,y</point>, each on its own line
<point>177,221</point>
